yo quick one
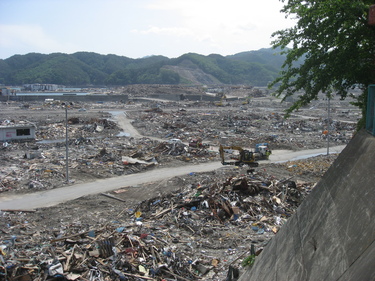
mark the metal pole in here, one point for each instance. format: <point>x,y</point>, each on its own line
<point>66,144</point>
<point>329,122</point>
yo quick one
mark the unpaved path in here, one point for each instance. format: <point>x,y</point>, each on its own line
<point>287,155</point>
<point>123,119</point>
<point>59,195</point>
<point>55,196</point>
<point>125,123</point>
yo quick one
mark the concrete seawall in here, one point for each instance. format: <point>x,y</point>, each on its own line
<point>331,236</point>
<point>72,98</point>
<point>111,98</point>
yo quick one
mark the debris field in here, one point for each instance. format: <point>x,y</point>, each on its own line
<point>193,233</point>
<point>200,226</point>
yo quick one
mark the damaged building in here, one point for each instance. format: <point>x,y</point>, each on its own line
<point>18,132</point>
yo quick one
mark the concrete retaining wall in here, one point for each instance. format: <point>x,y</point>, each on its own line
<point>70,98</point>
<point>176,97</point>
<point>111,98</point>
<point>331,236</point>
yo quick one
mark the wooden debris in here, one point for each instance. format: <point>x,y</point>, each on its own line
<point>140,244</point>
<point>113,197</point>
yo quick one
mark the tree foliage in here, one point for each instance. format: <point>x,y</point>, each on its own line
<point>336,43</point>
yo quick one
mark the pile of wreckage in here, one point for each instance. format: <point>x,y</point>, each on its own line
<point>40,168</point>
<point>78,128</point>
<point>41,164</point>
<point>202,231</point>
<point>232,124</point>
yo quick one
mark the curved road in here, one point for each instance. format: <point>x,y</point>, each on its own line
<point>55,196</point>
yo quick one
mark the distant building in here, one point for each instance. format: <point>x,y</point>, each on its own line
<point>40,87</point>
<point>17,132</point>
<point>7,92</point>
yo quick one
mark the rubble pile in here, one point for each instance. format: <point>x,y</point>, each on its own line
<point>98,148</point>
<point>258,125</point>
<point>145,90</point>
<point>196,232</point>
<point>41,165</point>
<point>184,152</point>
<point>313,167</point>
<point>29,168</point>
<point>77,128</point>
<point>194,227</point>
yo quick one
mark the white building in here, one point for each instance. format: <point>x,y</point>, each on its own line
<point>40,87</point>
<point>17,132</point>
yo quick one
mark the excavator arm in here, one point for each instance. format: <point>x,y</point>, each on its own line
<point>244,157</point>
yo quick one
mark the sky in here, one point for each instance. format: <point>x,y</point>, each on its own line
<point>138,28</point>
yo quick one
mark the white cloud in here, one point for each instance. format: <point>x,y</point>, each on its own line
<point>226,27</point>
<point>173,31</point>
<point>139,28</point>
<point>30,38</point>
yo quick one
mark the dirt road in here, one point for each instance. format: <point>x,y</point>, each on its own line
<point>125,123</point>
<point>287,155</point>
<point>59,195</point>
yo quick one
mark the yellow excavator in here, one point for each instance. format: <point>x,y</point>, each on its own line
<point>239,156</point>
<point>222,99</point>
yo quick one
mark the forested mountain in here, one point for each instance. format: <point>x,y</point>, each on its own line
<point>255,68</point>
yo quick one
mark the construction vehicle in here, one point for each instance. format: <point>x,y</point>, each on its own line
<point>246,101</point>
<point>222,99</point>
<point>242,157</point>
<point>262,151</point>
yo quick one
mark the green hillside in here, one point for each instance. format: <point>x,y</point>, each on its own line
<point>256,68</point>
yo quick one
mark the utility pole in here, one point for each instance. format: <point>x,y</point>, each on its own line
<point>66,144</point>
<point>328,121</point>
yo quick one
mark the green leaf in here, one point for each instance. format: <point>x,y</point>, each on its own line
<point>336,43</point>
